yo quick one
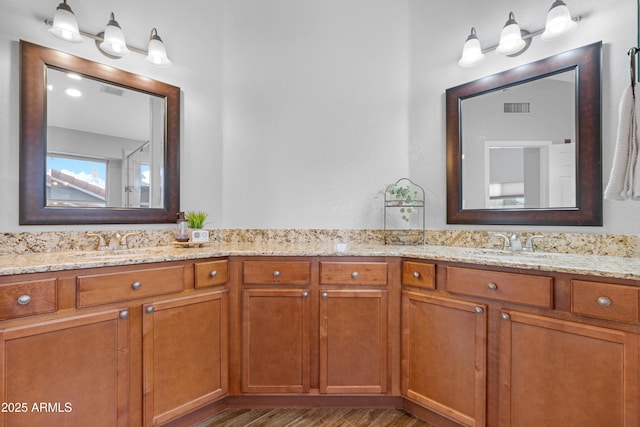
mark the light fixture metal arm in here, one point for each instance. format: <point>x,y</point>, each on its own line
<point>525,36</point>
<point>99,38</point>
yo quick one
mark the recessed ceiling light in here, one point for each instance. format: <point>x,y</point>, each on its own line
<point>73,92</point>
<point>74,76</point>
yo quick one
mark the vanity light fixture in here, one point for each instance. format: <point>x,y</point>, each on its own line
<point>111,42</point>
<point>65,24</point>
<point>511,41</point>
<point>514,40</point>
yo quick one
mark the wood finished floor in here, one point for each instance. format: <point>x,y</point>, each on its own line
<point>342,417</point>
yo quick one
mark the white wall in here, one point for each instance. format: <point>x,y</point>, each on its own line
<point>295,113</point>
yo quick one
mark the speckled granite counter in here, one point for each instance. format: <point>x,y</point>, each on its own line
<point>603,266</point>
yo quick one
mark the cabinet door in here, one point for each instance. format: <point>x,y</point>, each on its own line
<point>275,340</point>
<point>560,373</point>
<point>444,353</point>
<point>185,342</point>
<point>66,372</point>
<point>353,341</point>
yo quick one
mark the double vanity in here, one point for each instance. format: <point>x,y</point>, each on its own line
<point>457,336</point>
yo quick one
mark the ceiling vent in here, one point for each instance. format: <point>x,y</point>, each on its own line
<point>517,107</point>
<point>113,90</point>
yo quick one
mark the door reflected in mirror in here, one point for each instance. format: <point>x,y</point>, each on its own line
<point>105,144</point>
<point>518,146</point>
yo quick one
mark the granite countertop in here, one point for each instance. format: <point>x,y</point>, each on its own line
<point>603,266</point>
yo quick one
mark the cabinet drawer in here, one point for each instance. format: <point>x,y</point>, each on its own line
<point>605,300</point>
<point>353,273</point>
<point>419,274</point>
<point>211,273</point>
<point>511,287</point>
<point>277,272</point>
<point>123,286</point>
<point>27,298</point>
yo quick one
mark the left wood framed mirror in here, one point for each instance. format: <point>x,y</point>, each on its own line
<point>108,156</point>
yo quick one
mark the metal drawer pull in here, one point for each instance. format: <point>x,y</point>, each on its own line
<point>604,301</point>
<point>214,273</point>
<point>276,273</point>
<point>416,275</point>
<point>136,285</point>
<point>505,316</point>
<point>479,310</point>
<point>124,314</point>
<point>150,309</point>
<point>354,275</point>
<point>324,295</point>
<point>305,294</point>
<point>492,286</point>
<point>24,299</point>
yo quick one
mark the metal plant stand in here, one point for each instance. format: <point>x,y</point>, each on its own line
<point>404,213</point>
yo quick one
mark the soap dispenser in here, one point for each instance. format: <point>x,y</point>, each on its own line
<point>182,228</point>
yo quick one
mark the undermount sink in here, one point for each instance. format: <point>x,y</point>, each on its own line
<point>125,253</point>
<point>504,253</point>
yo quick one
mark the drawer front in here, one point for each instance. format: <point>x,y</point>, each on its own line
<point>277,272</point>
<point>605,300</point>
<point>27,298</point>
<point>213,273</point>
<point>517,288</point>
<point>113,287</point>
<point>353,273</point>
<point>419,274</point>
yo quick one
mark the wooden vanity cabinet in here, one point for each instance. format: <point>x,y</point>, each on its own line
<point>127,346</point>
<point>444,354</point>
<point>315,324</point>
<point>353,327</point>
<point>185,357</point>
<point>67,371</point>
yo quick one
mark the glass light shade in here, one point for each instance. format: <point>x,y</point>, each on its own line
<point>559,22</point>
<point>511,41</point>
<point>65,25</point>
<point>157,53</point>
<point>472,51</point>
<point>114,42</point>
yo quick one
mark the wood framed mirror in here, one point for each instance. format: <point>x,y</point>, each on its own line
<point>504,133</point>
<point>123,138</point>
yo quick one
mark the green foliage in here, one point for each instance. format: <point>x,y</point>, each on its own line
<point>196,219</point>
<point>406,195</point>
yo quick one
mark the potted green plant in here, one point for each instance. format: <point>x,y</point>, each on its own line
<point>405,196</point>
<point>196,220</point>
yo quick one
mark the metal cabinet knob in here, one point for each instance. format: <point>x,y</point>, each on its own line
<point>136,285</point>
<point>324,295</point>
<point>150,309</point>
<point>214,273</point>
<point>505,316</point>
<point>276,273</point>
<point>305,294</point>
<point>604,301</point>
<point>354,275</point>
<point>479,310</point>
<point>124,314</point>
<point>492,286</point>
<point>24,299</point>
<point>416,275</point>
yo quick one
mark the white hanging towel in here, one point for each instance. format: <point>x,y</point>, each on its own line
<point>624,179</point>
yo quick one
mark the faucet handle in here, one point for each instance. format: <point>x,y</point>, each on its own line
<point>101,244</point>
<point>507,242</point>
<point>528,247</point>
<point>123,240</point>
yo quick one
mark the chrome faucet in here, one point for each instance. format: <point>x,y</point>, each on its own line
<point>516,243</point>
<point>528,247</point>
<point>114,242</point>
<point>123,240</point>
<point>101,244</point>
